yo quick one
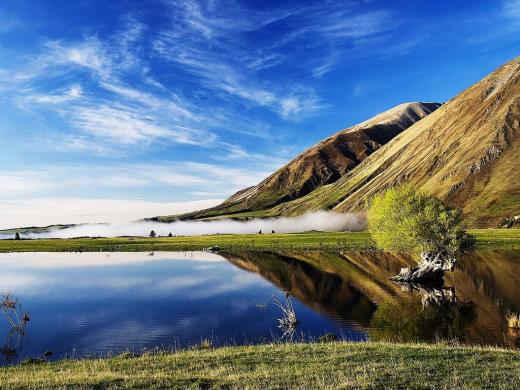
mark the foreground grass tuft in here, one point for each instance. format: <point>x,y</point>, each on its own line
<point>320,365</point>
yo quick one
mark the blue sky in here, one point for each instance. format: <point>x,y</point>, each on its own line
<point>135,108</point>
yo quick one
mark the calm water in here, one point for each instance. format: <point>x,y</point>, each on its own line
<point>88,304</point>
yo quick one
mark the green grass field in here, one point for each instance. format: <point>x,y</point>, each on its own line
<point>486,239</point>
<point>311,366</point>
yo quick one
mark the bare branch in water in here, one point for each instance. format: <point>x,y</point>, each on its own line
<point>13,312</point>
<point>288,322</point>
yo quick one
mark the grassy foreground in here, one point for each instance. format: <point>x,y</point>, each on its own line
<point>486,239</point>
<point>330,365</point>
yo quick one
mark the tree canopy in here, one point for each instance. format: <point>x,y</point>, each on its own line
<point>404,219</point>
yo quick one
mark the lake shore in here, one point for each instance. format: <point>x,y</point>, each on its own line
<point>312,365</point>
<point>486,239</point>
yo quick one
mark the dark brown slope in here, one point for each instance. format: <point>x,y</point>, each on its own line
<point>324,163</point>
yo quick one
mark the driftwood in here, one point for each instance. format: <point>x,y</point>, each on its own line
<point>431,268</point>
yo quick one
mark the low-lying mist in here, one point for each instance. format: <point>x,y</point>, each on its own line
<point>321,221</point>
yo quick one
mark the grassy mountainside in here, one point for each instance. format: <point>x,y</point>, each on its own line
<point>322,164</point>
<point>466,152</point>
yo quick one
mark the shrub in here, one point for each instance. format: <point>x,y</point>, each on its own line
<point>404,219</point>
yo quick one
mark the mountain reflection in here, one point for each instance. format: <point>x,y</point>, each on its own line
<point>354,288</point>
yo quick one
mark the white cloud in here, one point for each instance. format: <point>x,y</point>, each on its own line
<point>132,116</point>
<point>124,124</point>
<point>23,182</point>
<point>344,24</point>
<point>81,143</point>
<point>300,103</point>
<point>261,61</point>
<point>207,45</point>
<point>74,92</point>
<point>89,54</point>
<point>167,176</point>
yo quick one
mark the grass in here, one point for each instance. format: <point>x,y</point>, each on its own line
<point>224,241</point>
<point>278,366</point>
<point>486,239</point>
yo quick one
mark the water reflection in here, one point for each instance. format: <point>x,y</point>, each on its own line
<point>9,347</point>
<point>84,304</point>
<point>437,315</point>
<point>354,287</point>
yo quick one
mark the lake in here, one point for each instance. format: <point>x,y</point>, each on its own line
<point>85,304</point>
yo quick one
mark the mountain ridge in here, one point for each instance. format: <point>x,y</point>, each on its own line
<point>322,163</point>
<point>465,152</point>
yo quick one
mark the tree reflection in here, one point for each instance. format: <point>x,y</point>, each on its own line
<point>430,313</point>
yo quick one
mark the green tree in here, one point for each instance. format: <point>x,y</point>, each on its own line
<point>152,234</point>
<point>404,219</point>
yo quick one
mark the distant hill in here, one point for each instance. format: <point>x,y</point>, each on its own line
<point>36,229</point>
<point>322,164</point>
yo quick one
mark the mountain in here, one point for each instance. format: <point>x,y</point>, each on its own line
<point>467,153</point>
<point>322,164</point>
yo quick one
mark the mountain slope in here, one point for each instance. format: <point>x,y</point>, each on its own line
<point>467,152</point>
<point>322,164</point>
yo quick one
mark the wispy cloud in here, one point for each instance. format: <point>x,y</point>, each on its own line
<point>126,125</point>
<point>110,94</point>
<point>66,95</point>
<point>214,46</point>
<point>133,116</point>
<point>213,178</point>
<point>108,110</point>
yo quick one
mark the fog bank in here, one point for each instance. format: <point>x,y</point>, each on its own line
<point>322,221</point>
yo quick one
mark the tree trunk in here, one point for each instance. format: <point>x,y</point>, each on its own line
<point>431,268</point>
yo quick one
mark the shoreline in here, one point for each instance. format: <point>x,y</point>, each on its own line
<point>302,365</point>
<point>321,241</point>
